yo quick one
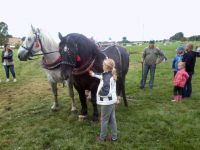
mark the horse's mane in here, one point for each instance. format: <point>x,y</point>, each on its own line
<point>83,43</point>
<point>48,42</point>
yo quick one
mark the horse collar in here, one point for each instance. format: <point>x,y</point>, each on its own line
<point>85,68</point>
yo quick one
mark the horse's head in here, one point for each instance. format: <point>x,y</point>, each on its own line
<point>77,52</point>
<point>30,45</point>
<point>68,50</point>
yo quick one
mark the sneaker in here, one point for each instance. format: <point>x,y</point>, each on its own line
<point>15,80</point>
<point>7,80</point>
<point>174,100</point>
<point>109,138</point>
<point>0,80</point>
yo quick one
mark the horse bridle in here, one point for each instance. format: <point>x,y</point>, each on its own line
<point>29,49</point>
<point>72,57</point>
<point>67,52</point>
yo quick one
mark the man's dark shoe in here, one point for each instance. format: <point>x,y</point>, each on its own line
<point>141,87</point>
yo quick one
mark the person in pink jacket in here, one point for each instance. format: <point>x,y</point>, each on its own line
<point>179,81</point>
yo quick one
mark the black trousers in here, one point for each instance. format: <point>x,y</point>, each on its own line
<point>178,90</point>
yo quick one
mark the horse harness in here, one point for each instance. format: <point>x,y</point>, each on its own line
<point>72,58</point>
<point>45,65</point>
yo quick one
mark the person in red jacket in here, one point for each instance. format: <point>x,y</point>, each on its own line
<point>179,81</point>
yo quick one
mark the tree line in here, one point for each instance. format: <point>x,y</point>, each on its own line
<point>180,37</point>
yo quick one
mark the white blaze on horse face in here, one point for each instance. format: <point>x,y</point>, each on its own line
<point>65,48</point>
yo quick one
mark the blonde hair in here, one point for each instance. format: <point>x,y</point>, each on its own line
<point>110,66</point>
<point>181,64</point>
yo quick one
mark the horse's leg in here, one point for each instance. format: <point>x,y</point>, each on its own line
<point>123,91</point>
<point>94,103</point>
<point>118,90</point>
<point>55,105</point>
<point>71,94</point>
<point>82,98</point>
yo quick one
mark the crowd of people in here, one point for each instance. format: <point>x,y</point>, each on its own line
<point>183,65</point>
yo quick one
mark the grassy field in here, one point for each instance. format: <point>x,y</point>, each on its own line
<point>151,121</point>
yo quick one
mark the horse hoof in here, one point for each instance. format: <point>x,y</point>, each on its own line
<point>73,109</point>
<point>54,109</point>
<point>81,117</point>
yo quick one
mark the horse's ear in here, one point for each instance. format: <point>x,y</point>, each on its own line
<point>33,29</point>
<point>38,30</point>
<point>60,36</point>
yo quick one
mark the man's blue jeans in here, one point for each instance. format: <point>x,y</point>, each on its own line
<point>187,90</point>
<point>146,69</point>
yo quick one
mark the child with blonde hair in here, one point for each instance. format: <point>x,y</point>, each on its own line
<point>179,81</point>
<point>107,97</point>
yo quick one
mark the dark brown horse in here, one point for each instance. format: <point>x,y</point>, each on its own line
<point>79,55</point>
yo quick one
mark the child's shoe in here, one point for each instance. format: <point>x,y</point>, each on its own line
<point>15,80</point>
<point>0,80</point>
<point>109,138</point>
<point>179,97</point>
<point>7,80</point>
<point>98,139</point>
<point>175,99</point>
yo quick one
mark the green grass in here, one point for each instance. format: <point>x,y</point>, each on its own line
<point>151,121</point>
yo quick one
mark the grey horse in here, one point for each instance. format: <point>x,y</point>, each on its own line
<point>38,41</point>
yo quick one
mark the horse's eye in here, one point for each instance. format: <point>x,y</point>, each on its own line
<point>29,39</point>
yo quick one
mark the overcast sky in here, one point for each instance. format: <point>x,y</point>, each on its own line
<point>135,19</point>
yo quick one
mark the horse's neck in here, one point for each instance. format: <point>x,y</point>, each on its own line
<point>98,65</point>
<point>48,48</point>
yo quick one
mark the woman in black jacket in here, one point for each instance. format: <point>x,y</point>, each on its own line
<point>7,60</point>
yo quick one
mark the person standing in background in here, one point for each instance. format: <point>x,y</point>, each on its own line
<point>151,56</point>
<point>177,58</point>
<point>190,59</point>
<point>7,60</point>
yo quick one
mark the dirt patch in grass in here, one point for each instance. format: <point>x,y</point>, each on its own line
<point>16,95</point>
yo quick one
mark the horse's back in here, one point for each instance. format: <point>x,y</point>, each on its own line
<point>120,56</point>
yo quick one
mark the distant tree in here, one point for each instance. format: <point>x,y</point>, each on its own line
<point>124,40</point>
<point>178,37</point>
<point>194,38</point>
<point>3,33</point>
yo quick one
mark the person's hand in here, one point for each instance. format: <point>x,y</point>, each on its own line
<point>91,72</point>
<point>157,61</point>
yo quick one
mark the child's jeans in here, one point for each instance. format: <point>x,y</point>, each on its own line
<point>108,116</point>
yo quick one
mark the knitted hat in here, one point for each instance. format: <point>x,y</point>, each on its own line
<point>180,48</point>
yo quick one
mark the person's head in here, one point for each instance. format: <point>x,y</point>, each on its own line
<point>189,47</point>
<point>109,65</point>
<point>181,65</point>
<point>180,49</point>
<point>151,43</point>
<point>6,46</point>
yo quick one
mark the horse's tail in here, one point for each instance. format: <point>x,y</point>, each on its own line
<point>123,70</point>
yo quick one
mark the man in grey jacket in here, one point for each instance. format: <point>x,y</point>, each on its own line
<point>151,56</point>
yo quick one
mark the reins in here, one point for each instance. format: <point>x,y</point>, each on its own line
<point>43,53</point>
<point>82,69</point>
